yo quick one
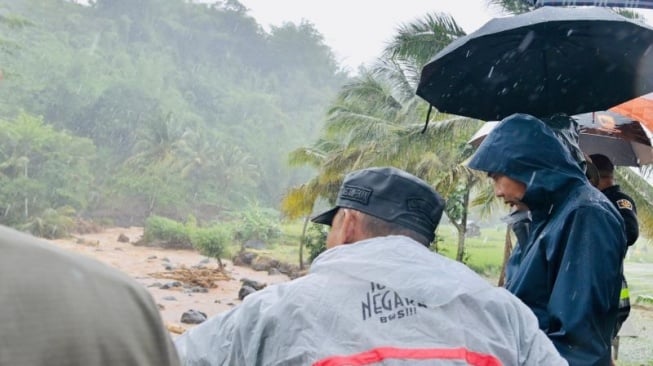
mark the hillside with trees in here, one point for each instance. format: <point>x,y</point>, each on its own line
<point>123,109</point>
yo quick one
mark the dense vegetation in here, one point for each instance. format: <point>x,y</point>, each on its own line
<point>122,109</point>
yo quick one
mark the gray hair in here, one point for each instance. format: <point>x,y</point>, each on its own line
<point>375,226</point>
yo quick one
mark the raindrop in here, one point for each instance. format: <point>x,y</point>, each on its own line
<point>489,75</point>
<point>504,91</point>
<point>467,54</point>
<point>530,182</point>
<point>526,41</point>
<point>570,32</point>
<point>648,49</point>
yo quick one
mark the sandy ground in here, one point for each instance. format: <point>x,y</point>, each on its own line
<point>147,266</point>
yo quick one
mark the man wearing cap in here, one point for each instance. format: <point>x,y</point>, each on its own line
<point>628,211</point>
<point>622,201</point>
<point>569,268</point>
<point>377,294</point>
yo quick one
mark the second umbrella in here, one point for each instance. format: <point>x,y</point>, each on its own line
<point>621,139</point>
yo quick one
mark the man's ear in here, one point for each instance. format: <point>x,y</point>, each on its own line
<point>350,226</point>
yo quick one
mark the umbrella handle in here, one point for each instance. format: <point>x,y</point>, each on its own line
<point>428,116</point>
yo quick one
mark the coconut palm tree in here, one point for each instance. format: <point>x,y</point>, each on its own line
<point>377,120</point>
<point>300,201</point>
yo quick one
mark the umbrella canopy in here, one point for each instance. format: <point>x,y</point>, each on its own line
<point>640,109</point>
<point>621,139</point>
<point>645,4</point>
<point>548,61</point>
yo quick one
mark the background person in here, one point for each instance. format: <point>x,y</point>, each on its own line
<point>58,308</point>
<point>628,211</point>
<point>376,294</point>
<point>569,270</point>
<point>621,201</point>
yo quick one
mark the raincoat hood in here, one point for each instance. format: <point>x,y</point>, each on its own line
<point>525,149</point>
<point>568,265</point>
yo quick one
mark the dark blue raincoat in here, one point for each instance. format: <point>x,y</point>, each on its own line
<point>569,270</point>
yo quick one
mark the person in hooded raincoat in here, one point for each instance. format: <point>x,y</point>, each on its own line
<point>569,269</point>
<point>377,295</point>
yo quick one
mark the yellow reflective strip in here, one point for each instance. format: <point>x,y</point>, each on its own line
<point>625,294</point>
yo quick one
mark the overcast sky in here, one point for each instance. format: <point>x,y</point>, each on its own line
<point>357,30</point>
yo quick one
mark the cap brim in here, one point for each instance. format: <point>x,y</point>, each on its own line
<point>326,217</point>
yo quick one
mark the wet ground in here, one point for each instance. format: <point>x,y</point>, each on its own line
<point>636,342</point>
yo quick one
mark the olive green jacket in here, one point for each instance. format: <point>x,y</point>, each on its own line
<point>59,308</point>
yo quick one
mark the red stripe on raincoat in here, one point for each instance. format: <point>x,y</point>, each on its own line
<point>384,353</point>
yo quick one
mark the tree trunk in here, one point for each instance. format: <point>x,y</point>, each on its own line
<point>150,208</point>
<point>301,243</point>
<point>26,199</point>
<point>220,265</point>
<point>462,229</point>
<point>460,254</point>
<point>507,249</point>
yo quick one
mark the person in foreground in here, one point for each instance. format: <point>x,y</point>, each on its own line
<point>569,268</point>
<point>59,308</point>
<point>376,295</point>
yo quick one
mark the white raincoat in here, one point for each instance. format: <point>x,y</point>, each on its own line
<point>386,301</point>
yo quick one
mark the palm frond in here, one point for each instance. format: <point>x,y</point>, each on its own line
<point>485,199</point>
<point>642,192</point>
<point>511,6</point>
<point>306,156</point>
<point>630,14</point>
<point>420,40</point>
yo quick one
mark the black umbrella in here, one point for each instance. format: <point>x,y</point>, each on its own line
<point>548,61</point>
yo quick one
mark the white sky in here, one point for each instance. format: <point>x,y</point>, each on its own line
<point>357,30</point>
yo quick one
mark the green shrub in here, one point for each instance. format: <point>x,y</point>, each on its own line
<point>212,241</point>
<point>644,299</point>
<point>166,233</point>
<point>316,236</point>
<point>52,224</point>
<point>257,223</point>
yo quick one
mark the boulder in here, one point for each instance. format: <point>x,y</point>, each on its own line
<point>245,291</point>
<point>193,317</point>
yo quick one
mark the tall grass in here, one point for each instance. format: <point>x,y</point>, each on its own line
<point>285,248</point>
<point>483,254</point>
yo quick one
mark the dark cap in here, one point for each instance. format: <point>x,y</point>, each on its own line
<point>391,195</point>
<point>602,163</point>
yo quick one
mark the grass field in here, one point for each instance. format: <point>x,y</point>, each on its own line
<point>484,254</point>
<point>638,267</point>
<point>286,248</point>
